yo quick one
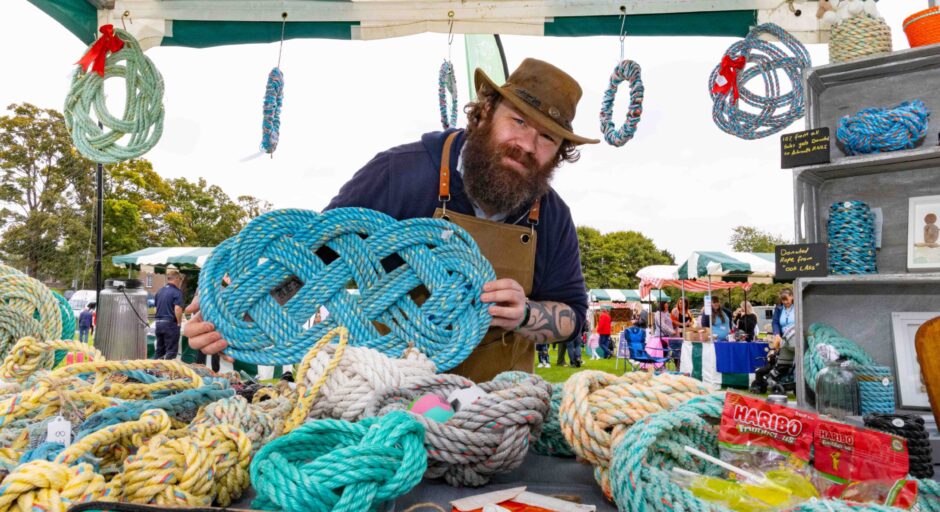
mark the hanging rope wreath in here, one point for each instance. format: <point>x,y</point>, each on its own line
<point>116,54</point>
<point>447,83</point>
<point>750,58</point>
<point>630,71</point>
<point>273,97</point>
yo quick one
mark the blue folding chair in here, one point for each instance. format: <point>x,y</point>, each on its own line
<point>639,356</point>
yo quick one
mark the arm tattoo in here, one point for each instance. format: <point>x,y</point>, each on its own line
<point>549,322</point>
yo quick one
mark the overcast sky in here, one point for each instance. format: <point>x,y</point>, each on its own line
<point>680,181</point>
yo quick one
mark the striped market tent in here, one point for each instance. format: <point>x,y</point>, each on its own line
<point>655,277</point>
<point>714,264</point>
<point>161,256</point>
<point>611,295</point>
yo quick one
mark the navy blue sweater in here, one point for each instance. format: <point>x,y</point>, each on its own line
<point>403,183</point>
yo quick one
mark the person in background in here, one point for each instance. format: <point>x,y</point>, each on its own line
<point>717,320</point>
<point>681,315</point>
<point>86,322</point>
<point>562,348</point>
<point>662,322</point>
<point>784,315</point>
<point>642,317</point>
<point>747,323</point>
<point>574,349</point>
<point>603,330</point>
<point>542,349</point>
<point>169,301</point>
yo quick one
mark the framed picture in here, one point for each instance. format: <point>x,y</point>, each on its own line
<point>923,233</point>
<point>912,392</point>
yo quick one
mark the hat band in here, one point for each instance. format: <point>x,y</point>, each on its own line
<point>551,112</point>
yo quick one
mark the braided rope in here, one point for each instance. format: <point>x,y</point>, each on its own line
<point>261,422</point>
<point>875,389</point>
<point>447,83</point>
<point>277,249</point>
<point>487,437</point>
<point>551,441</point>
<point>273,99</point>
<point>910,427</point>
<point>775,110</point>
<point>630,71</point>
<point>599,408</point>
<point>851,232</point>
<point>27,308</point>
<point>143,113</point>
<point>333,465</point>
<point>352,385</point>
<point>860,36</point>
<point>879,130</point>
<point>813,360</point>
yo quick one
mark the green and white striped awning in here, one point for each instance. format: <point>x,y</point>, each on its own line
<point>161,256</point>
<point>613,295</point>
<point>702,264</point>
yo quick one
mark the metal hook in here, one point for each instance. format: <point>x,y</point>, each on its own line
<point>794,10</point>
<point>126,15</point>
<point>280,49</point>
<point>623,24</point>
<point>450,33</point>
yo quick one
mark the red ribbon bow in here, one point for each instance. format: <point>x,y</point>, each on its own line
<point>727,79</point>
<point>97,54</point>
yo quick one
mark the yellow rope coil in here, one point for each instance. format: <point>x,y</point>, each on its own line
<point>307,395</point>
<point>597,408</point>
<point>26,357</point>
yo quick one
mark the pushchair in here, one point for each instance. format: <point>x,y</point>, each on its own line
<point>780,379</point>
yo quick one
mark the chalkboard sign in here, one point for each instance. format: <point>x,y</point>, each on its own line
<point>804,148</point>
<point>801,260</point>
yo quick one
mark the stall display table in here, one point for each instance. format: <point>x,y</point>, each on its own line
<point>737,366</point>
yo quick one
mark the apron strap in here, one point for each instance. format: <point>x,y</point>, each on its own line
<point>443,193</point>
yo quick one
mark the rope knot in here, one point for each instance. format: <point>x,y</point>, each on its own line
<point>336,465</point>
<point>50,486</point>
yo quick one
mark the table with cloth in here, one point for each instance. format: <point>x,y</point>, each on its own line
<point>723,363</point>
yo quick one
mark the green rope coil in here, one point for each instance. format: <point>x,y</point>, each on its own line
<point>822,334</point>
<point>68,325</point>
<point>143,111</point>
<point>27,308</point>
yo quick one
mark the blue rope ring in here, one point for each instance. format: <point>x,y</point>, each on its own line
<point>851,233</point>
<point>273,97</point>
<point>774,110</point>
<point>447,83</point>
<point>877,130</point>
<point>630,71</point>
<point>285,264</point>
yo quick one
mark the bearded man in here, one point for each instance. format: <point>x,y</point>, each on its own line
<point>517,135</point>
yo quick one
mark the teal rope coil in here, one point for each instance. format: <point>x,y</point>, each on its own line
<point>628,71</point>
<point>68,325</point>
<point>278,251</point>
<point>143,113</point>
<point>27,308</point>
<point>822,334</point>
<point>875,389</point>
<point>851,232</point>
<point>447,83</point>
<point>273,99</point>
<point>879,130</point>
<point>337,466</point>
<point>551,441</point>
<point>772,110</point>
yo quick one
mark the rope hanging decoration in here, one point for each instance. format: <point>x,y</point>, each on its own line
<point>273,99</point>
<point>285,264</point>
<point>772,110</point>
<point>447,83</point>
<point>851,232</point>
<point>361,373</point>
<point>487,437</point>
<point>27,308</point>
<point>880,130</point>
<point>629,71</point>
<point>599,408</point>
<point>336,466</point>
<point>116,54</point>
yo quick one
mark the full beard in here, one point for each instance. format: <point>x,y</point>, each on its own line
<point>494,186</point>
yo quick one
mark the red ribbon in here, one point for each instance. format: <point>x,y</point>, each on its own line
<point>96,55</point>
<point>728,74</point>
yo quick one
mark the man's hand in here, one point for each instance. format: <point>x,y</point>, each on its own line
<point>202,335</point>
<point>508,303</point>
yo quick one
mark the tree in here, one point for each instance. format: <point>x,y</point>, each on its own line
<point>752,239</point>
<point>612,260</point>
<point>44,187</point>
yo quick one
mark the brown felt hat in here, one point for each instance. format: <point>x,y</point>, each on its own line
<point>542,92</point>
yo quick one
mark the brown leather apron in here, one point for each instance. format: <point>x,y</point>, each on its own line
<point>511,251</point>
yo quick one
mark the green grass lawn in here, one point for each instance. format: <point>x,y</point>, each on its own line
<point>561,373</point>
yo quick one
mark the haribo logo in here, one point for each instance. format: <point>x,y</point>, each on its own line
<point>768,420</point>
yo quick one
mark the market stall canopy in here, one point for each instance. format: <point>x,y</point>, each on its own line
<point>205,23</point>
<point>661,276</point>
<point>159,256</point>
<point>703,264</point>
<point>613,295</point>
